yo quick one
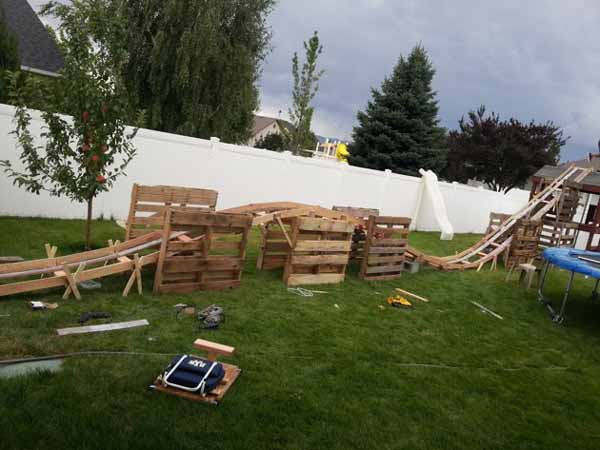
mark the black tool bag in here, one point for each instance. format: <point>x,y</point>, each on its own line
<point>193,374</point>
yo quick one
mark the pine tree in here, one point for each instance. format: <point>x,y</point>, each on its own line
<point>9,55</point>
<point>399,129</point>
<point>194,65</point>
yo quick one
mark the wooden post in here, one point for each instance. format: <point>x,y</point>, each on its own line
<point>163,252</point>
<point>131,214</point>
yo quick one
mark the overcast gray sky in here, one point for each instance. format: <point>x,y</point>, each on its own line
<point>529,59</point>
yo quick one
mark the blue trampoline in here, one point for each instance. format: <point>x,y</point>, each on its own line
<point>575,261</point>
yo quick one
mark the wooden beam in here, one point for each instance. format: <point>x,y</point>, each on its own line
<point>103,327</point>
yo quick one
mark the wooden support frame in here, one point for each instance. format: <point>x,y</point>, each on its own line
<point>320,251</point>
<point>213,262</point>
<point>148,205</point>
<point>384,250</point>
<point>89,265</point>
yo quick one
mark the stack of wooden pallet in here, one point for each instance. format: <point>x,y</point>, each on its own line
<point>524,247</point>
<point>212,256</point>
<point>319,251</point>
<point>148,205</point>
<point>385,248</point>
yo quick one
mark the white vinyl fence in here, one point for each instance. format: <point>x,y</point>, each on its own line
<point>247,175</point>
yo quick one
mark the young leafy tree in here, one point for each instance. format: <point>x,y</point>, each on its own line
<point>502,154</point>
<point>399,129</point>
<point>195,65</point>
<point>272,141</point>
<point>82,155</point>
<point>9,55</point>
<point>306,86</point>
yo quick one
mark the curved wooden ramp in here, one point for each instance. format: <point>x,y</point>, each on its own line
<point>496,242</point>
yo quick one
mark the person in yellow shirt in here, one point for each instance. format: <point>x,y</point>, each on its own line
<point>341,153</point>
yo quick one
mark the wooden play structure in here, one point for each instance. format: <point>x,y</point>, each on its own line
<point>67,271</point>
<point>204,249</point>
<point>384,248</point>
<point>211,257</point>
<point>214,397</point>
<point>319,251</point>
<point>585,193</point>
<point>149,203</point>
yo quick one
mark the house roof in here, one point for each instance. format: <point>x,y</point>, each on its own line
<point>262,122</point>
<point>37,49</point>
<point>552,172</point>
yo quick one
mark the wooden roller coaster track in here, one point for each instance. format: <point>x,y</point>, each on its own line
<point>496,242</point>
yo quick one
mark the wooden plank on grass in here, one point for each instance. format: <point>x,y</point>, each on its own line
<point>103,327</point>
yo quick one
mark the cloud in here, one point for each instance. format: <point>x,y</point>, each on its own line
<point>530,60</point>
<point>534,59</point>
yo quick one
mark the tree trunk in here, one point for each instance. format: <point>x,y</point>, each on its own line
<point>88,224</point>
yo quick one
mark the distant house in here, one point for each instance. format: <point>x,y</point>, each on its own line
<point>263,126</point>
<point>37,49</point>
<point>592,161</point>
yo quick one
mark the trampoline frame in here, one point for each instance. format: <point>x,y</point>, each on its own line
<point>559,317</point>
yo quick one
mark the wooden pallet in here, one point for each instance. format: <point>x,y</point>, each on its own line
<point>319,251</point>
<point>384,248</point>
<point>524,247</point>
<point>149,203</point>
<point>557,234</point>
<point>496,221</point>
<point>211,258</point>
<point>274,245</point>
<point>216,395</point>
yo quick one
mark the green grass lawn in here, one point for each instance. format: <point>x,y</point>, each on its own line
<point>314,376</point>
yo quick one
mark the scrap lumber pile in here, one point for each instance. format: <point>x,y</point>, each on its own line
<point>149,203</point>
<point>212,257</point>
<point>319,251</point>
<point>384,248</point>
